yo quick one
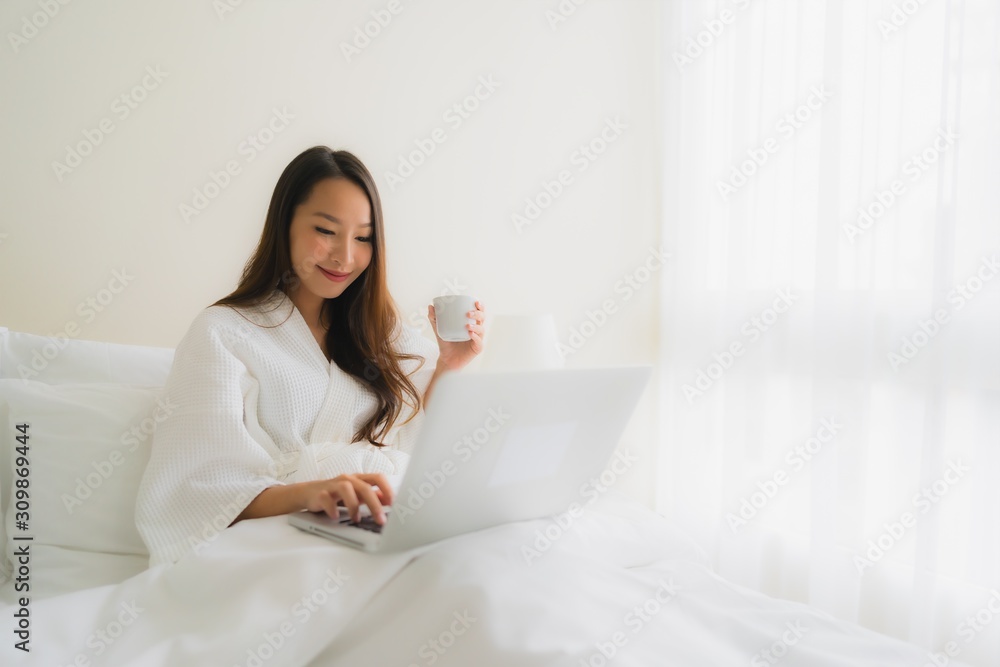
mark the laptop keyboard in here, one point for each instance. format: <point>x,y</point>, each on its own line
<point>366,523</point>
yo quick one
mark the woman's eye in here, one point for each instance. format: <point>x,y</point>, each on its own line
<point>329,232</point>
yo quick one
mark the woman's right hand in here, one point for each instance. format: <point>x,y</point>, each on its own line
<point>372,489</point>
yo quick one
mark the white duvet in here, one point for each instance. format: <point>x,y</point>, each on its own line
<point>618,586</point>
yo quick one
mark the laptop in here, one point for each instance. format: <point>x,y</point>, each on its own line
<point>494,448</point>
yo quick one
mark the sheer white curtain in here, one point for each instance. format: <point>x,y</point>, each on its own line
<point>831,322</point>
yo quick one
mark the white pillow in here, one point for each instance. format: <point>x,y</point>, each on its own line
<point>88,447</point>
<point>60,360</point>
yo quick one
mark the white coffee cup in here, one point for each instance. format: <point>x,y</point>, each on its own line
<point>450,312</point>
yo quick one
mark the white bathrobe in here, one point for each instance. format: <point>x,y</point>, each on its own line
<point>254,406</point>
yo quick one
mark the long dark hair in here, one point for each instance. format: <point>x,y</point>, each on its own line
<point>364,319</point>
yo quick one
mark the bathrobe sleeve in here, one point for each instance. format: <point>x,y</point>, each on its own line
<point>205,466</point>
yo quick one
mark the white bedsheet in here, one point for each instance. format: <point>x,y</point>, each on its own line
<point>476,594</point>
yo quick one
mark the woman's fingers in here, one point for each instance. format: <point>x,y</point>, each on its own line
<point>367,493</point>
<point>326,501</point>
<point>345,493</point>
<point>382,482</point>
<point>351,491</point>
<point>479,313</point>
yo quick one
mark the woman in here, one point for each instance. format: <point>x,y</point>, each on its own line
<point>289,393</point>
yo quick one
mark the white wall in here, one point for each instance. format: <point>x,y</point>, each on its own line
<point>63,236</point>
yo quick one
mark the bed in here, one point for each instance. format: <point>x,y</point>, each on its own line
<point>615,584</point>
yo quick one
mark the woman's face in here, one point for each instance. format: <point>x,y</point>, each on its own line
<point>330,237</point>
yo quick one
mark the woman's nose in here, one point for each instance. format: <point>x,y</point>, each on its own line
<point>342,253</point>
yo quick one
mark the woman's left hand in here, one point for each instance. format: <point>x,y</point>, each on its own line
<point>455,355</point>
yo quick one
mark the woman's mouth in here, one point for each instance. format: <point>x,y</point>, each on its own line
<point>334,275</point>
